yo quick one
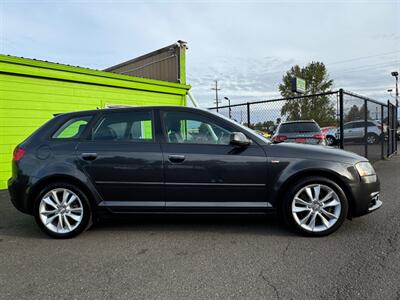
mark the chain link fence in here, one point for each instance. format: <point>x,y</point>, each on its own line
<point>347,120</point>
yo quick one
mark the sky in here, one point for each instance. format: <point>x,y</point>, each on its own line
<point>246,45</point>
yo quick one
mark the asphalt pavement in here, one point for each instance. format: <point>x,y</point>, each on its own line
<point>206,257</point>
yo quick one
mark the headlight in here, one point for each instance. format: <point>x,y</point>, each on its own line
<point>365,168</point>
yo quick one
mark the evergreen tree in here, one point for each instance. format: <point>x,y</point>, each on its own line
<point>319,108</point>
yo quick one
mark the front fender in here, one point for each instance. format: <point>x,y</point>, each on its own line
<point>288,171</point>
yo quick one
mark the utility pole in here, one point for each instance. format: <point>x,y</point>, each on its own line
<point>216,89</point>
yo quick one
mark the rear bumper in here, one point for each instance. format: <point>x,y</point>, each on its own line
<point>19,196</point>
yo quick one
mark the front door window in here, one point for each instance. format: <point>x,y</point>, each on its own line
<point>189,128</point>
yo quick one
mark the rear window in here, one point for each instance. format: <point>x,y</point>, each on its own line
<point>73,128</point>
<point>299,127</point>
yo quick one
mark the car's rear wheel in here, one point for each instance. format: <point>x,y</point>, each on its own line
<point>372,138</point>
<point>62,210</point>
<point>330,140</point>
<point>315,206</point>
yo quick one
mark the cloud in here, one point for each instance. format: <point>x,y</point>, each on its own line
<point>247,46</point>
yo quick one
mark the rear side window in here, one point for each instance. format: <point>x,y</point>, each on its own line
<point>73,128</point>
<point>299,127</point>
<point>125,126</point>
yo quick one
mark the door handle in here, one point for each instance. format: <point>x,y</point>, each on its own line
<point>89,156</point>
<point>176,158</point>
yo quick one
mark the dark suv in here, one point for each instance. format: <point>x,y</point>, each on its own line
<point>181,160</point>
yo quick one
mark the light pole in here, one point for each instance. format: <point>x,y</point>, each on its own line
<point>229,103</point>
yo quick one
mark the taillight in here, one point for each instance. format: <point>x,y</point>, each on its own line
<point>18,154</point>
<point>319,136</point>
<point>279,138</point>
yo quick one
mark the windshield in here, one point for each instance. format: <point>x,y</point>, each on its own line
<point>299,127</point>
<point>244,128</point>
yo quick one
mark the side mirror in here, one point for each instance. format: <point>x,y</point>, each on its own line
<point>239,139</point>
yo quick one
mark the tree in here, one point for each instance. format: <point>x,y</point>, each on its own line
<point>263,125</point>
<point>356,113</point>
<point>319,108</point>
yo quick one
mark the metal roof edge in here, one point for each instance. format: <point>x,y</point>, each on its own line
<point>87,71</point>
<point>172,46</point>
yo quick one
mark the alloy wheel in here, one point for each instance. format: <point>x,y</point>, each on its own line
<point>61,210</point>
<point>330,140</point>
<point>316,207</point>
<point>371,139</point>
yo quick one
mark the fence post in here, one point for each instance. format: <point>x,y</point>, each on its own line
<point>395,127</point>
<point>341,119</point>
<point>366,128</point>
<point>248,114</point>
<point>388,129</point>
<point>382,135</point>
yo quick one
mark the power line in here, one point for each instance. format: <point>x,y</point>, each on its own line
<point>366,67</point>
<point>363,57</point>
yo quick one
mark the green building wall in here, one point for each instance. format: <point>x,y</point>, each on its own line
<point>32,91</point>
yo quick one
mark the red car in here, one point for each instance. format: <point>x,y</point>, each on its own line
<point>330,135</point>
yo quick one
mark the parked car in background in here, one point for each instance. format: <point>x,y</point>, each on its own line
<point>355,131</point>
<point>183,160</point>
<point>302,131</point>
<point>330,135</point>
<point>263,133</point>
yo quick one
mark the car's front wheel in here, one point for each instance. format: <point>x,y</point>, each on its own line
<point>315,206</point>
<point>62,210</point>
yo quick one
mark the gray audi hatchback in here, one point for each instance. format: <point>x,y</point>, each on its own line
<point>181,160</point>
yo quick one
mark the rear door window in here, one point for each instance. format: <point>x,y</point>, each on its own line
<point>125,126</point>
<point>358,124</point>
<point>73,128</point>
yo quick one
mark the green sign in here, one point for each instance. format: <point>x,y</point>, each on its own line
<point>298,85</point>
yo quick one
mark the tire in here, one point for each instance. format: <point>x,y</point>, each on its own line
<point>295,211</point>
<point>61,216</point>
<point>330,140</point>
<point>372,138</point>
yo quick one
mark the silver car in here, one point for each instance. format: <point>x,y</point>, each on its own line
<point>355,131</point>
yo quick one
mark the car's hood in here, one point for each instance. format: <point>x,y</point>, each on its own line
<point>312,152</point>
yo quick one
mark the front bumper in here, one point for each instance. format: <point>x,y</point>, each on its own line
<point>366,196</point>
